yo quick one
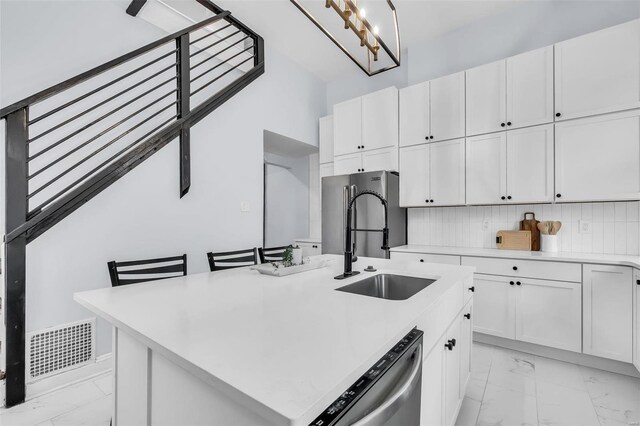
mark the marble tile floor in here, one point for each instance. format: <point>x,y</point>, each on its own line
<point>506,388</point>
<point>513,388</point>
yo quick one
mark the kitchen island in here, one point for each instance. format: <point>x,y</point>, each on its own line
<point>237,347</point>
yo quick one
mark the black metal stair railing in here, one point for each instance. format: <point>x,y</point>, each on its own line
<point>66,144</point>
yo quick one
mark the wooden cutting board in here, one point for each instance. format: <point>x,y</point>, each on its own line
<point>531,224</point>
<point>513,240</point>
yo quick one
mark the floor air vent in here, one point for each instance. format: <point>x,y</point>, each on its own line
<point>58,349</point>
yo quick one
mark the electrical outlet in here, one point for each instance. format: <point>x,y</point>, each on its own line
<point>486,225</point>
<point>584,226</point>
<point>244,207</point>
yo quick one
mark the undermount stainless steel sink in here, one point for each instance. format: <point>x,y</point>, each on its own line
<point>388,286</point>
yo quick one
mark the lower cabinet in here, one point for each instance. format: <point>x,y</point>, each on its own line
<point>636,313</point>
<point>608,312</point>
<point>446,371</point>
<point>537,311</point>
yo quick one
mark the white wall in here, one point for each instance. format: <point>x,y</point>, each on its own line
<point>525,27</point>
<point>141,215</point>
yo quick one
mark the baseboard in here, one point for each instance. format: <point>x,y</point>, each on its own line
<point>102,365</point>
<point>559,354</point>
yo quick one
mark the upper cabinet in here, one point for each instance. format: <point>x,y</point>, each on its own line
<point>530,88</point>
<point>325,139</point>
<point>366,123</point>
<point>598,72</point>
<point>512,93</point>
<point>486,98</point>
<point>511,167</point>
<point>347,127</point>
<point>432,111</point>
<point>598,158</point>
<point>380,119</point>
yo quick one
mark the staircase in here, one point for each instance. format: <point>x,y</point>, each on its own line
<point>66,144</point>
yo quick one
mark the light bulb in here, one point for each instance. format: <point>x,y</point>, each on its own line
<point>375,30</point>
<point>363,13</point>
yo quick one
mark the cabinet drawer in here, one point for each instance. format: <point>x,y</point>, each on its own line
<point>526,268</point>
<point>429,258</point>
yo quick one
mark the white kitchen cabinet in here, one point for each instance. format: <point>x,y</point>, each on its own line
<point>530,88</point>
<point>347,127</point>
<point>598,158</point>
<point>452,358</point>
<point>598,72</point>
<point>530,165</point>
<point>447,107</point>
<point>636,317</point>
<point>432,385</point>
<point>447,171</point>
<point>424,257</point>
<point>380,159</point>
<point>486,109</point>
<point>433,174</point>
<point>326,169</point>
<point>414,175</point>
<point>608,312</point>
<point>325,139</point>
<point>309,248</point>
<point>494,306</point>
<point>549,313</point>
<point>347,164</point>
<point>380,119</point>
<point>486,168</point>
<point>466,345</point>
<point>414,114</point>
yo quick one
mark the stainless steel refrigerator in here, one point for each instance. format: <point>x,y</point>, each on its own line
<point>368,213</point>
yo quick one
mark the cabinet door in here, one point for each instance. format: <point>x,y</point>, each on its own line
<point>486,169</point>
<point>447,172</point>
<point>636,316</point>
<point>414,176</point>
<point>530,164</point>
<point>414,114</point>
<point>466,344</point>
<point>486,98</point>
<point>380,119</point>
<point>326,139</point>
<point>598,72</point>
<point>380,159</point>
<point>347,127</point>
<point>598,158</point>
<point>347,164</point>
<point>432,385</point>
<point>452,397</point>
<point>549,313</point>
<point>447,107</point>
<point>530,88</point>
<point>494,306</point>
<point>607,312</point>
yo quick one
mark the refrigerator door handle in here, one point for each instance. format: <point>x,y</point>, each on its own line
<point>354,192</point>
<point>345,204</point>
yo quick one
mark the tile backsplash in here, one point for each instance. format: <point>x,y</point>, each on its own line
<point>614,226</point>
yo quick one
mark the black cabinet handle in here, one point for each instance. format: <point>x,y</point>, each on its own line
<point>467,316</point>
<point>448,346</point>
<point>426,201</point>
<point>518,283</point>
<point>558,195</point>
<point>362,146</point>
<point>515,268</point>
<point>502,124</point>
<point>558,114</point>
<point>431,201</point>
<point>511,283</point>
<point>638,282</point>
<point>472,289</point>
<point>453,342</point>
<point>508,197</point>
<point>430,137</point>
<point>421,260</point>
<point>503,198</point>
<point>426,137</point>
<point>508,123</point>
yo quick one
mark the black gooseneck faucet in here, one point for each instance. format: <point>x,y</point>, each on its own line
<point>348,254</point>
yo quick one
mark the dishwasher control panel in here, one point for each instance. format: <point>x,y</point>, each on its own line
<point>333,413</point>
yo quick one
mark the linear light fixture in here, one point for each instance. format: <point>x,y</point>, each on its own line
<point>347,15</point>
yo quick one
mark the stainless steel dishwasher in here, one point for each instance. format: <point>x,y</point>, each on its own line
<point>387,394</point>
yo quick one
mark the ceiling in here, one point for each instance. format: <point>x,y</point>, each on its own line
<point>286,29</point>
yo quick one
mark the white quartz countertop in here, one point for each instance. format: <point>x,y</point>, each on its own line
<point>285,347</point>
<point>607,259</point>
